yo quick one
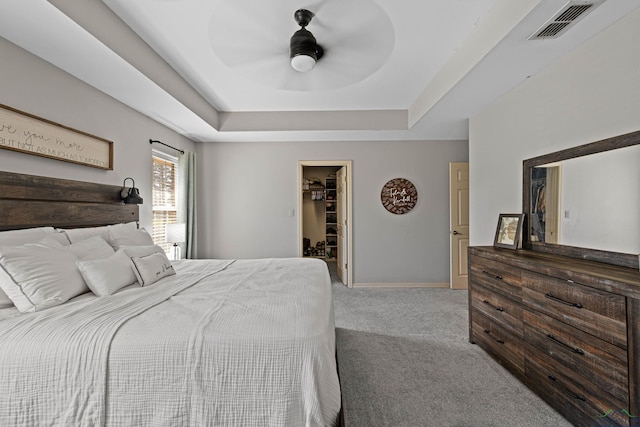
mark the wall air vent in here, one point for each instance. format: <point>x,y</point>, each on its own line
<point>571,13</point>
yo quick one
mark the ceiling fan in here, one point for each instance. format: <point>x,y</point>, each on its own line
<point>253,38</point>
<point>304,50</point>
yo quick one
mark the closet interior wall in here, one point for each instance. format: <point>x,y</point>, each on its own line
<point>313,211</point>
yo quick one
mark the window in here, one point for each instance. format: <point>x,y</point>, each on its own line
<point>165,210</point>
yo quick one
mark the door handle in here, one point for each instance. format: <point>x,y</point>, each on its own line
<point>455,233</point>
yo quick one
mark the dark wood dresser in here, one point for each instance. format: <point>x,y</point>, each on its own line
<point>567,328</point>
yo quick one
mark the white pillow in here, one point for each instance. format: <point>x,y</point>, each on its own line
<point>5,302</point>
<point>20,237</point>
<point>140,251</point>
<point>41,276</point>
<point>24,236</point>
<point>151,268</point>
<point>52,242</point>
<point>78,234</point>
<point>59,237</point>
<point>118,237</point>
<point>92,248</point>
<point>105,276</point>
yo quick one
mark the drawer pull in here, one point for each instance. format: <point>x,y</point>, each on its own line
<point>565,345</point>
<point>561,301</point>
<point>493,306</point>
<point>492,275</point>
<point>499,341</point>
<point>572,394</point>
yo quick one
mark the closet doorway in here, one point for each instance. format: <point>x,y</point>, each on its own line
<point>325,214</point>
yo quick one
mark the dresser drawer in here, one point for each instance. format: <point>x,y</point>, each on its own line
<point>600,364</point>
<point>502,345</point>
<point>500,309</point>
<point>496,276</point>
<point>596,312</point>
<point>565,391</point>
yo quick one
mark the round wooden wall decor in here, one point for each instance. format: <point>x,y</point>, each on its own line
<point>399,196</point>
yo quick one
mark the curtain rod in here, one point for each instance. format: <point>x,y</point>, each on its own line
<point>151,141</point>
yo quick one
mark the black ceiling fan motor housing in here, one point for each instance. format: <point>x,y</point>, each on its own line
<point>303,42</point>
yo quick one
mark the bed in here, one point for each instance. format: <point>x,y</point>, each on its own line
<point>202,342</point>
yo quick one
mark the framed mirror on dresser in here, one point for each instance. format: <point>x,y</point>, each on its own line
<point>584,202</point>
<point>562,314</point>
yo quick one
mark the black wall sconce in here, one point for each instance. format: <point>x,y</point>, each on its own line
<point>130,195</point>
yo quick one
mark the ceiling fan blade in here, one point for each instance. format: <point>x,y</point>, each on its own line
<point>248,22</point>
<point>241,33</point>
<point>355,50</point>
<point>264,64</point>
<point>244,60</point>
<point>318,6</point>
<point>252,38</point>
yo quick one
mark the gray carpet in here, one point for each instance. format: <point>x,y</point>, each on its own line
<point>405,360</point>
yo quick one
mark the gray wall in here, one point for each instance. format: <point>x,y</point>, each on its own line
<point>32,85</point>
<point>591,94</point>
<point>246,190</point>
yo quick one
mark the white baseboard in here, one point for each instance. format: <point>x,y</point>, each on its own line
<point>401,285</point>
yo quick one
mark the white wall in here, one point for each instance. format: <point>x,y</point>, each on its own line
<point>32,85</point>
<point>246,189</point>
<point>591,94</point>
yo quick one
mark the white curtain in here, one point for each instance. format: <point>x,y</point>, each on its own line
<point>187,201</point>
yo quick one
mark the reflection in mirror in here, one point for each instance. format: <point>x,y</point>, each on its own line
<point>545,187</point>
<point>590,202</point>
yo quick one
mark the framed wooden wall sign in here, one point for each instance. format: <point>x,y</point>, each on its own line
<point>26,133</point>
<point>399,196</point>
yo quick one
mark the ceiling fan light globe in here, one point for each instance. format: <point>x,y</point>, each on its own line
<point>303,63</point>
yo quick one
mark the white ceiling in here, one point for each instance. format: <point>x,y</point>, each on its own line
<point>218,70</point>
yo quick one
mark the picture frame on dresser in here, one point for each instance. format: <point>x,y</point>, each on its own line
<point>508,231</point>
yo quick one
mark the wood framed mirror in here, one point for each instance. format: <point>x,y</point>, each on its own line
<point>586,209</point>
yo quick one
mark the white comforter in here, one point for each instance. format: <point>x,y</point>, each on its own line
<point>221,343</point>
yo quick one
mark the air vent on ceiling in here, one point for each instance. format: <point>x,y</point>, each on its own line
<point>571,13</point>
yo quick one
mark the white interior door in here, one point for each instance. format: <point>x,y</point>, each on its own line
<point>341,213</point>
<point>459,223</point>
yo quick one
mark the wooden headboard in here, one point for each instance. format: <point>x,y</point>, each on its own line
<point>28,201</point>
